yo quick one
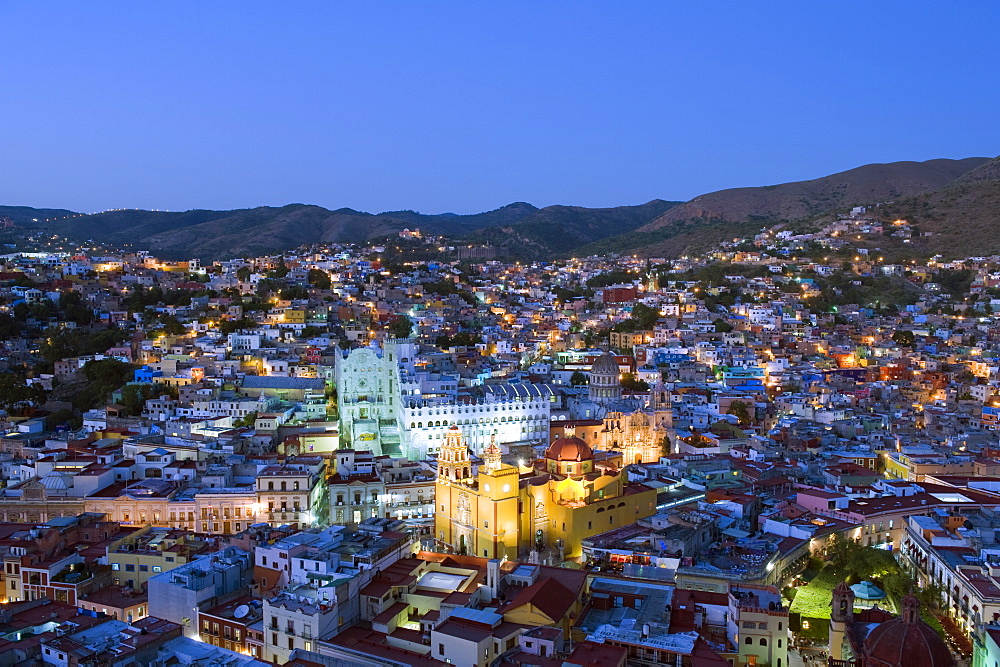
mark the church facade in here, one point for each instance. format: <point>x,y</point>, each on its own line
<point>368,397</point>
<point>505,511</point>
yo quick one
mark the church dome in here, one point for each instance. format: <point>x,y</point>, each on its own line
<point>606,364</point>
<point>570,448</point>
<point>895,642</point>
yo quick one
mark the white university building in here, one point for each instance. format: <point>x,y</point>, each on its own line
<point>389,407</point>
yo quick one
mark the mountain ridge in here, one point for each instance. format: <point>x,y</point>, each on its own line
<point>656,228</point>
<point>711,218</point>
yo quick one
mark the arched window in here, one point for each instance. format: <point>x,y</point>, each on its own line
<point>763,641</point>
<point>749,640</point>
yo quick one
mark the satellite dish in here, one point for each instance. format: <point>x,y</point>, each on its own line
<point>241,611</point>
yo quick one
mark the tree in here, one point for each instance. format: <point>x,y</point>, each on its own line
<point>319,279</point>
<point>10,328</point>
<point>461,339</point>
<point>73,309</point>
<point>16,395</point>
<point>105,376</point>
<point>111,372</point>
<point>293,292</point>
<point>665,446</point>
<point>249,420</point>
<point>930,595</point>
<point>60,417</point>
<point>279,271</point>
<point>578,378</point>
<point>172,326</point>
<point>134,396</point>
<point>903,337</point>
<point>630,383</point>
<point>63,343</point>
<point>400,327</point>
<point>965,376</point>
<point>243,274</point>
<point>232,326</point>
<point>644,316</point>
<point>741,411</point>
<point>722,326</point>
<point>852,561</point>
<point>311,332</point>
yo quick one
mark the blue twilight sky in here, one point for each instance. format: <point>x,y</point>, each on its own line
<point>467,106</point>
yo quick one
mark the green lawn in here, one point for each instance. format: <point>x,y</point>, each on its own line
<point>812,601</point>
<point>812,604</point>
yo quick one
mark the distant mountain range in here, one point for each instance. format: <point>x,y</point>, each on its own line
<point>944,196</point>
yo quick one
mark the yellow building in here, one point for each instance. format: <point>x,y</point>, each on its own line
<point>505,512</point>
<point>151,550</point>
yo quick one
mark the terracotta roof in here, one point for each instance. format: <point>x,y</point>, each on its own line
<point>569,449</point>
<point>394,610</point>
<point>547,595</point>
<point>592,654</point>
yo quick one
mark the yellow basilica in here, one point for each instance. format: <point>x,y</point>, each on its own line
<point>507,511</point>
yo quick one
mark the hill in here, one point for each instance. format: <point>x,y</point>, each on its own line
<point>27,215</point>
<point>943,196</point>
<point>717,216</point>
<point>264,230</point>
<point>528,231</point>
<point>985,172</point>
<point>560,230</point>
<point>962,218</point>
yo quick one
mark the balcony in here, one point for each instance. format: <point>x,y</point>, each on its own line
<point>74,574</point>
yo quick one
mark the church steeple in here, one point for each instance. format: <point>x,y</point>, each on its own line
<point>659,396</point>
<point>454,463</point>
<point>841,616</point>
<point>911,609</point>
<point>491,455</point>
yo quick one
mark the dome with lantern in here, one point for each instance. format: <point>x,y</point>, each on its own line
<point>569,455</point>
<point>569,448</point>
<point>899,641</point>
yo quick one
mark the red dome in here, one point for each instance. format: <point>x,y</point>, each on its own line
<point>901,640</point>
<point>569,448</point>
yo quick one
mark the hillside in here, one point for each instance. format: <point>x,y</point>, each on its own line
<point>708,219</point>
<point>962,218</point>
<point>791,201</point>
<point>561,230</point>
<point>27,215</point>
<point>985,172</point>
<point>264,230</point>
<point>528,231</point>
<point>943,196</point>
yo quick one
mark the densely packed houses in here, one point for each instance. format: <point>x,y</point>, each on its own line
<point>387,454</point>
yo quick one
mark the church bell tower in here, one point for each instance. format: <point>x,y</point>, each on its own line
<point>454,463</point>
<point>841,616</point>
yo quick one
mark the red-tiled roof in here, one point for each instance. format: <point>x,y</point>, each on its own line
<point>547,595</point>
<point>592,654</point>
